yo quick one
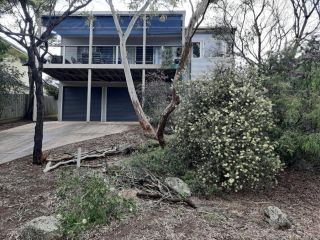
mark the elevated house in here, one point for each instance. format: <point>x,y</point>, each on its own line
<point>88,65</point>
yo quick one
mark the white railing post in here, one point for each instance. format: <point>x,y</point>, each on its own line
<point>64,54</point>
<point>117,54</point>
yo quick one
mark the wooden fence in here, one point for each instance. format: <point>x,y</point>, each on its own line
<point>18,108</point>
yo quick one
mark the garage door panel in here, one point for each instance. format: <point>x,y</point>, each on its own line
<point>95,113</point>
<point>75,104</point>
<point>119,106</point>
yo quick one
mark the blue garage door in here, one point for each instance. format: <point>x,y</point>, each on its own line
<point>75,104</point>
<point>119,106</point>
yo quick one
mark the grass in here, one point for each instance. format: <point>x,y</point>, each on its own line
<point>89,200</point>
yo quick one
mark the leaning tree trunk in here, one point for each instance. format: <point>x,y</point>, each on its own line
<point>144,122</point>
<point>175,101</point>
<point>194,23</point>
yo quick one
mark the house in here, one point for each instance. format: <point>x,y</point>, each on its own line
<point>15,57</point>
<point>87,61</point>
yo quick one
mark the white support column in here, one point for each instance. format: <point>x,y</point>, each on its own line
<point>89,70</point>
<point>60,101</point>
<point>90,38</point>
<point>89,95</point>
<point>144,57</point>
<point>103,104</point>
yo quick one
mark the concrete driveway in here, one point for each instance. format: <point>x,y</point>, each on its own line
<point>18,142</point>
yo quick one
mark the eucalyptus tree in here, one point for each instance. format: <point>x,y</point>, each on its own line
<point>268,26</point>
<point>199,10</point>
<point>26,30</point>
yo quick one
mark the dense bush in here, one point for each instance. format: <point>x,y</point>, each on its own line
<point>222,131</point>
<point>89,200</point>
<point>294,87</point>
<point>10,84</point>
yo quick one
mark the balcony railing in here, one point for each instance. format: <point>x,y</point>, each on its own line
<point>102,54</point>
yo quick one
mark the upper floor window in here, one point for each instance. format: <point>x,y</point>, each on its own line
<point>196,50</point>
<point>219,49</point>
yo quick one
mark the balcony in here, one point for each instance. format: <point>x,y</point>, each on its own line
<point>104,56</point>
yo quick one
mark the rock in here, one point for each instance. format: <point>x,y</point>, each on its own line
<point>276,218</point>
<point>179,186</point>
<point>125,148</point>
<point>41,228</point>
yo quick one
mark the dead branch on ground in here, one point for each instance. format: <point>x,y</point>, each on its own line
<point>153,188</point>
<point>68,158</point>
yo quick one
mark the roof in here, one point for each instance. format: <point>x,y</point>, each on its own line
<point>123,13</point>
<point>162,23</point>
<point>14,45</point>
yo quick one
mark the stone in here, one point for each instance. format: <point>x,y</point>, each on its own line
<point>41,228</point>
<point>276,218</point>
<point>179,186</point>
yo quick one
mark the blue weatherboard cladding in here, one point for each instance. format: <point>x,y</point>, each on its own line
<point>119,106</point>
<point>104,25</point>
<point>75,104</point>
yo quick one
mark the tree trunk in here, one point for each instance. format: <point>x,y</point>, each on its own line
<point>175,97</point>
<point>38,134</point>
<point>195,21</point>
<point>144,122</point>
<point>29,112</point>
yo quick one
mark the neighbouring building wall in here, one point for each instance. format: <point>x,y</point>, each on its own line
<point>15,62</point>
<point>213,53</point>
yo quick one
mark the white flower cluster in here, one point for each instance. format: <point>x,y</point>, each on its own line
<point>222,128</point>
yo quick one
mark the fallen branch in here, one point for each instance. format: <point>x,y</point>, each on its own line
<point>67,159</point>
<point>188,201</point>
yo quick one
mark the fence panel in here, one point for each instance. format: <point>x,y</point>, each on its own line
<point>17,108</point>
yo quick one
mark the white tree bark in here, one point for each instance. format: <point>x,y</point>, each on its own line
<point>123,36</point>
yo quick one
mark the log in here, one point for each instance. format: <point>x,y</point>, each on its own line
<point>188,201</point>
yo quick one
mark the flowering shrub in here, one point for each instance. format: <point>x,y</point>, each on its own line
<point>222,131</point>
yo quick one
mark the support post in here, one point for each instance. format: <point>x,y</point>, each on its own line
<point>89,70</point>
<point>79,157</point>
<point>103,104</point>
<point>144,58</point>
<point>60,101</point>
<point>89,94</point>
<point>90,38</point>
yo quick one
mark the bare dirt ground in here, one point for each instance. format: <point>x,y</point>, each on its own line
<point>26,192</point>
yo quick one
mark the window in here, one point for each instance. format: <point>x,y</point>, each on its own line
<point>196,49</point>
<point>219,48</point>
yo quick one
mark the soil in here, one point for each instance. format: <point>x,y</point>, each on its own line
<point>26,192</point>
